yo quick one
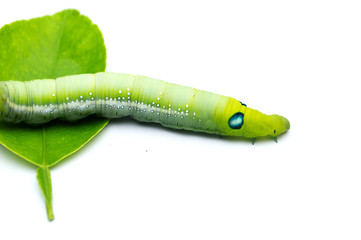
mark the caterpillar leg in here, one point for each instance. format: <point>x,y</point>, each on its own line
<point>254,140</point>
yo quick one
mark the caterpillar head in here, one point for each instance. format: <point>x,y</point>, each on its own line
<point>250,123</point>
<point>257,124</point>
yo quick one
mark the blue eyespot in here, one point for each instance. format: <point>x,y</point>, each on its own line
<point>236,121</point>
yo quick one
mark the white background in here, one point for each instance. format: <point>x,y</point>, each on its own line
<point>300,59</point>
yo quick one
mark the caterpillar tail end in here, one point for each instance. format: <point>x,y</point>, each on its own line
<point>2,102</point>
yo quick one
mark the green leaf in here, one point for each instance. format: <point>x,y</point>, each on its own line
<point>44,146</point>
<point>49,47</point>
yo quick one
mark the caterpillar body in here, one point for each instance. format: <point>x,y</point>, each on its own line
<point>114,95</point>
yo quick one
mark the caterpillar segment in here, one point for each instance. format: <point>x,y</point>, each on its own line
<point>114,95</point>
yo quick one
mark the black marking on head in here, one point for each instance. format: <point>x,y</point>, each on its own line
<point>243,104</point>
<point>236,121</point>
<point>274,131</point>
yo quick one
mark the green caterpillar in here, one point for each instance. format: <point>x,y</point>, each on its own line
<point>114,95</point>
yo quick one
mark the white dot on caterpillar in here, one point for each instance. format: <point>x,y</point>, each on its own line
<point>53,94</point>
<point>128,93</point>
<point>81,96</point>
<point>90,93</point>
<point>67,98</point>
<point>158,98</point>
<point>128,89</point>
<point>187,106</point>
<point>120,91</point>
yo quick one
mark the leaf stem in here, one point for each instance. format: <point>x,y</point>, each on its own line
<point>44,180</point>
